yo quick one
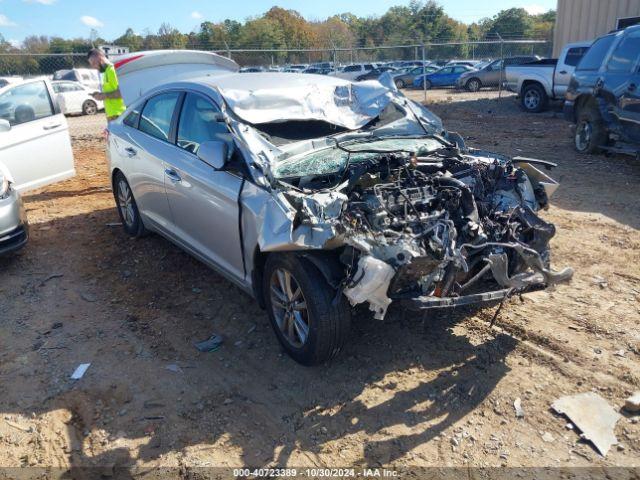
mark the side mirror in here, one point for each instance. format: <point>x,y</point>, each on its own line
<point>5,126</point>
<point>214,153</point>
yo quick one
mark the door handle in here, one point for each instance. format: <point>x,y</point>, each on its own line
<point>131,151</point>
<point>51,126</point>
<point>563,72</point>
<point>632,87</point>
<point>172,174</point>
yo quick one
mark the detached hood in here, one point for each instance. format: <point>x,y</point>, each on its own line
<point>271,97</point>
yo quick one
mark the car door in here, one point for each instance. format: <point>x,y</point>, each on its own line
<point>443,76</point>
<point>622,84</point>
<point>490,75</point>
<point>203,200</point>
<point>145,146</point>
<point>37,148</point>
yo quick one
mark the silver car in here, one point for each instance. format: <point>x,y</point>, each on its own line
<point>315,194</point>
<point>14,229</point>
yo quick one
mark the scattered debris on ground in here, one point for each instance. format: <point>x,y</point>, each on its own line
<point>593,416</point>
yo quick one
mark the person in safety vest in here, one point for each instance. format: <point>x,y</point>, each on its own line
<point>113,103</point>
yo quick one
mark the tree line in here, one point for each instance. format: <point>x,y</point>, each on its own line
<point>339,37</point>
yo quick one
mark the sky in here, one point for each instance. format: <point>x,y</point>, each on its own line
<point>76,18</point>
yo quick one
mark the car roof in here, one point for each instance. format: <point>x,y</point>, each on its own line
<point>22,82</point>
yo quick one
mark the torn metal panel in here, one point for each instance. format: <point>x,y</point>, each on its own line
<point>595,418</point>
<point>265,98</point>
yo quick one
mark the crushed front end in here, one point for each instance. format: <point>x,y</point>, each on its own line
<point>429,224</point>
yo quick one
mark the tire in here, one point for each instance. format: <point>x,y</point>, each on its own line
<point>427,85</point>
<point>591,132</point>
<point>314,334</point>
<point>533,98</point>
<point>473,85</point>
<point>89,107</point>
<point>399,84</point>
<point>127,207</point>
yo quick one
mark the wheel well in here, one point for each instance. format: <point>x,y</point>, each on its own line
<point>327,263</point>
<point>526,83</point>
<point>113,177</point>
<point>475,78</point>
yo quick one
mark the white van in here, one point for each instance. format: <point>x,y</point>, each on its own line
<point>34,135</point>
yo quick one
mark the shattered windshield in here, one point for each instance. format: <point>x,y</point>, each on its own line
<point>332,159</point>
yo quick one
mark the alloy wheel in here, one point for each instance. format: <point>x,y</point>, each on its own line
<point>125,203</point>
<point>583,135</point>
<point>289,307</point>
<point>531,99</point>
<point>90,108</point>
<point>473,85</point>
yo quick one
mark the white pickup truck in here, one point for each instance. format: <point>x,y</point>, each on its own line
<point>538,82</point>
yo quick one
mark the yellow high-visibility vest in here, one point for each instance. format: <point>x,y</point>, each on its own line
<point>113,107</point>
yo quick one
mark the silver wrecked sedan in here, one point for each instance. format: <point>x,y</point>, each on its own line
<point>315,194</point>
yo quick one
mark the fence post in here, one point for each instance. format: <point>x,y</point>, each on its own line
<point>424,73</point>
<point>503,66</point>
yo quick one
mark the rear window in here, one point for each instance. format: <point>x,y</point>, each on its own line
<point>594,57</point>
<point>626,53</point>
<point>574,55</point>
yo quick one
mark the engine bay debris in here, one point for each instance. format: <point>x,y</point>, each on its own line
<point>421,220</point>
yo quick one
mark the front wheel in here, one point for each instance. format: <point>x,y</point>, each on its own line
<point>399,84</point>
<point>427,85</point>
<point>299,301</point>
<point>127,207</point>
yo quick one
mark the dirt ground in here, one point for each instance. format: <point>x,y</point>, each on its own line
<point>407,392</point>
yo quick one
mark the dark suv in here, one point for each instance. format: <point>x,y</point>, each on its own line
<point>603,99</point>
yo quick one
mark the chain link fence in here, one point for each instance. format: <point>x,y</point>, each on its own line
<point>60,66</point>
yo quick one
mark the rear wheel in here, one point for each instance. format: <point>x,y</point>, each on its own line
<point>89,107</point>
<point>591,133</point>
<point>127,207</point>
<point>299,301</point>
<point>399,83</point>
<point>427,85</point>
<point>534,99</point>
<point>473,85</point>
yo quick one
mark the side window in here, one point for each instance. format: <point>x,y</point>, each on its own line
<point>574,55</point>
<point>626,53</point>
<point>460,69</point>
<point>416,71</point>
<point>156,115</point>
<point>199,123</point>
<point>368,66</point>
<point>26,103</point>
<point>352,68</point>
<point>132,118</point>
<point>594,57</point>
